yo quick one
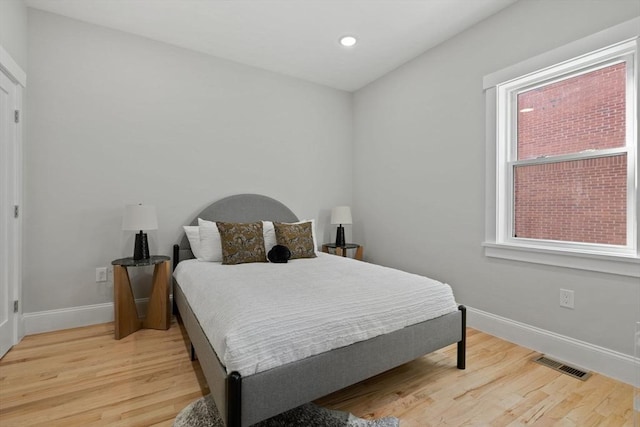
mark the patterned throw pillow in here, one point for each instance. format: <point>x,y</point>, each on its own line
<point>297,237</point>
<point>241,243</point>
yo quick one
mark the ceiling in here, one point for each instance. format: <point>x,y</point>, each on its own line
<point>298,38</point>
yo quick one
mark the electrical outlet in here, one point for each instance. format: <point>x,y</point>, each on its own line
<point>566,298</point>
<point>101,274</point>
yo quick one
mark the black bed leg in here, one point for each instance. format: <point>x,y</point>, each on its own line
<point>234,397</point>
<point>176,260</point>
<point>176,255</point>
<point>462,344</point>
<point>193,353</point>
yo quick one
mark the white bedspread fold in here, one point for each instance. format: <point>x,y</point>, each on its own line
<point>261,315</point>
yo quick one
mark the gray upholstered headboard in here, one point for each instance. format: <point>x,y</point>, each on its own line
<point>238,208</point>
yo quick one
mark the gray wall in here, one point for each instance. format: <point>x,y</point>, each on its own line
<point>117,119</point>
<point>419,175</point>
<point>13,30</point>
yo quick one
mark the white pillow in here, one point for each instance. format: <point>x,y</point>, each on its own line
<point>269,234</point>
<point>210,245</point>
<point>193,234</point>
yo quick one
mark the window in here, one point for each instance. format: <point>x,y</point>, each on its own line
<point>563,133</point>
<point>567,158</point>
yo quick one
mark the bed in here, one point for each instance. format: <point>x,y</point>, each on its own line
<point>245,399</point>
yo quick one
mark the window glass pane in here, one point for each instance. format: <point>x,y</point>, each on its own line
<point>576,114</point>
<point>575,201</point>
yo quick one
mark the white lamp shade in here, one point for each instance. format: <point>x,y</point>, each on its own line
<point>341,215</point>
<point>139,217</point>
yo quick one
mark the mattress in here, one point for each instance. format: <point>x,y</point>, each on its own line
<point>261,315</point>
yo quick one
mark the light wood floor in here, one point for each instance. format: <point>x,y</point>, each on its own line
<point>83,377</point>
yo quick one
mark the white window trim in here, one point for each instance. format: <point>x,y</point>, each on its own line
<point>614,260</point>
<point>624,52</point>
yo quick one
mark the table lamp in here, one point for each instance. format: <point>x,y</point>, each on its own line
<point>140,217</point>
<point>341,215</point>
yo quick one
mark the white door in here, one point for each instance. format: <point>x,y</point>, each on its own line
<point>8,186</point>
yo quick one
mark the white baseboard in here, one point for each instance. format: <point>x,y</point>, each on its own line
<point>74,317</point>
<point>582,354</point>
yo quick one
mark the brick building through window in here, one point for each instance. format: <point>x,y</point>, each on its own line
<point>564,199</point>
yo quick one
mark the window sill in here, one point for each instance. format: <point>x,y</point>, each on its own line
<point>612,264</point>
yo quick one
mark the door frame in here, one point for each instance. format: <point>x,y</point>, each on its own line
<point>14,225</point>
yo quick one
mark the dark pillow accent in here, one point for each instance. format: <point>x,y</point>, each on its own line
<point>297,237</point>
<point>279,254</point>
<point>241,243</point>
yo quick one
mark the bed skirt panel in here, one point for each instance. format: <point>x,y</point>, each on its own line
<point>213,371</point>
<point>271,392</point>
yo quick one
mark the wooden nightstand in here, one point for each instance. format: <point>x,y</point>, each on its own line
<point>342,250</point>
<point>126,317</point>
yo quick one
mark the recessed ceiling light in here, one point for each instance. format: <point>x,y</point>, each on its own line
<point>348,41</point>
<point>526,110</point>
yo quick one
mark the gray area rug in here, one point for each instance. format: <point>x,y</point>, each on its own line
<point>203,413</point>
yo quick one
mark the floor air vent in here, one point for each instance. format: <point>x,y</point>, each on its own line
<point>564,368</point>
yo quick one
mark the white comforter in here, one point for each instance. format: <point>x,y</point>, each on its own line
<point>261,315</point>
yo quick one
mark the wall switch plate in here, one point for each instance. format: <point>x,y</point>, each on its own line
<point>101,274</point>
<point>566,298</point>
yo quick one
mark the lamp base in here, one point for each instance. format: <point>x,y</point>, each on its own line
<point>141,248</point>
<point>340,236</point>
